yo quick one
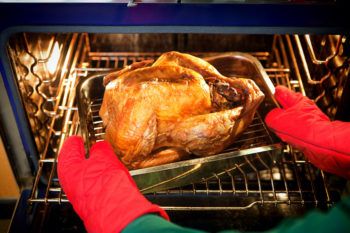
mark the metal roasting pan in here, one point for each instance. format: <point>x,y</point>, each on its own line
<point>245,153</point>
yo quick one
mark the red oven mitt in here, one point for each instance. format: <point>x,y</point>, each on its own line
<point>100,188</point>
<point>303,125</point>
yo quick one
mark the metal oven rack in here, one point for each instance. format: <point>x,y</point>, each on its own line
<point>292,180</point>
<point>320,68</point>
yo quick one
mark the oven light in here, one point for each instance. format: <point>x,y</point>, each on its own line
<point>53,60</point>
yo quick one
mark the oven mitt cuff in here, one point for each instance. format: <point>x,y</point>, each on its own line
<point>303,125</point>
<point>100,188</point>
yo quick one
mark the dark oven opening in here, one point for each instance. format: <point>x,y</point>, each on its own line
<point>268,182</point>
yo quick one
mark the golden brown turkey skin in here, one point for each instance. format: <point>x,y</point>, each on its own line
<point>191,62</point>
<point>180,105</point>
<point>141,104</point>
<point>126,69</point>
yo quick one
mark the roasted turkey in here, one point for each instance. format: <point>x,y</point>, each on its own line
<point>180,105</point>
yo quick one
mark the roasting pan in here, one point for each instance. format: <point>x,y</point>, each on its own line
<point>245,153</point>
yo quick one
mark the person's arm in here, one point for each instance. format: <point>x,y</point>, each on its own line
<point>336,220</point>
<point>155,224</point>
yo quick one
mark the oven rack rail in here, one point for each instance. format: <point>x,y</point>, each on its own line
<point>290,181</point>
<point>282,188</point>
<point>320,67</point>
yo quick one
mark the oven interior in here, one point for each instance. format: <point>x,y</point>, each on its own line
<point>48,67</point>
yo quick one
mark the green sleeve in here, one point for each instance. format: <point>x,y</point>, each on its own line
<point>335,220</point>
<point>155,224</point>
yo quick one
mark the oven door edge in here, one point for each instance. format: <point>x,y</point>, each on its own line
<point>15,130</point>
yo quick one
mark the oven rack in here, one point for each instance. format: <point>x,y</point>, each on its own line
<point>36,78</point>
<point>321,72</point>
<point>292,180</point>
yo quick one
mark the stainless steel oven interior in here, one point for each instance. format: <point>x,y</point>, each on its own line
<point>49,66</point>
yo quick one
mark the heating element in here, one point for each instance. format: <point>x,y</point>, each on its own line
<point>289,180</point>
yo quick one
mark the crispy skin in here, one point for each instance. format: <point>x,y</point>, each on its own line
<point>202,134</point>
<point>126,69</point>
<point>161,157</point>
<point>248,92</point>
<point>190,62</point>
<point>180,105</point>
<point>141,104</point>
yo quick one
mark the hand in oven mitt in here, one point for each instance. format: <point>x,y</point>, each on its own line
<point>100,188</point>
<point>303,125</point>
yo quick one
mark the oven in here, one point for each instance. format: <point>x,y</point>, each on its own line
<point>53,54</point>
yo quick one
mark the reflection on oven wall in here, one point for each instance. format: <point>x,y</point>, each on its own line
<point>48,67</point>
